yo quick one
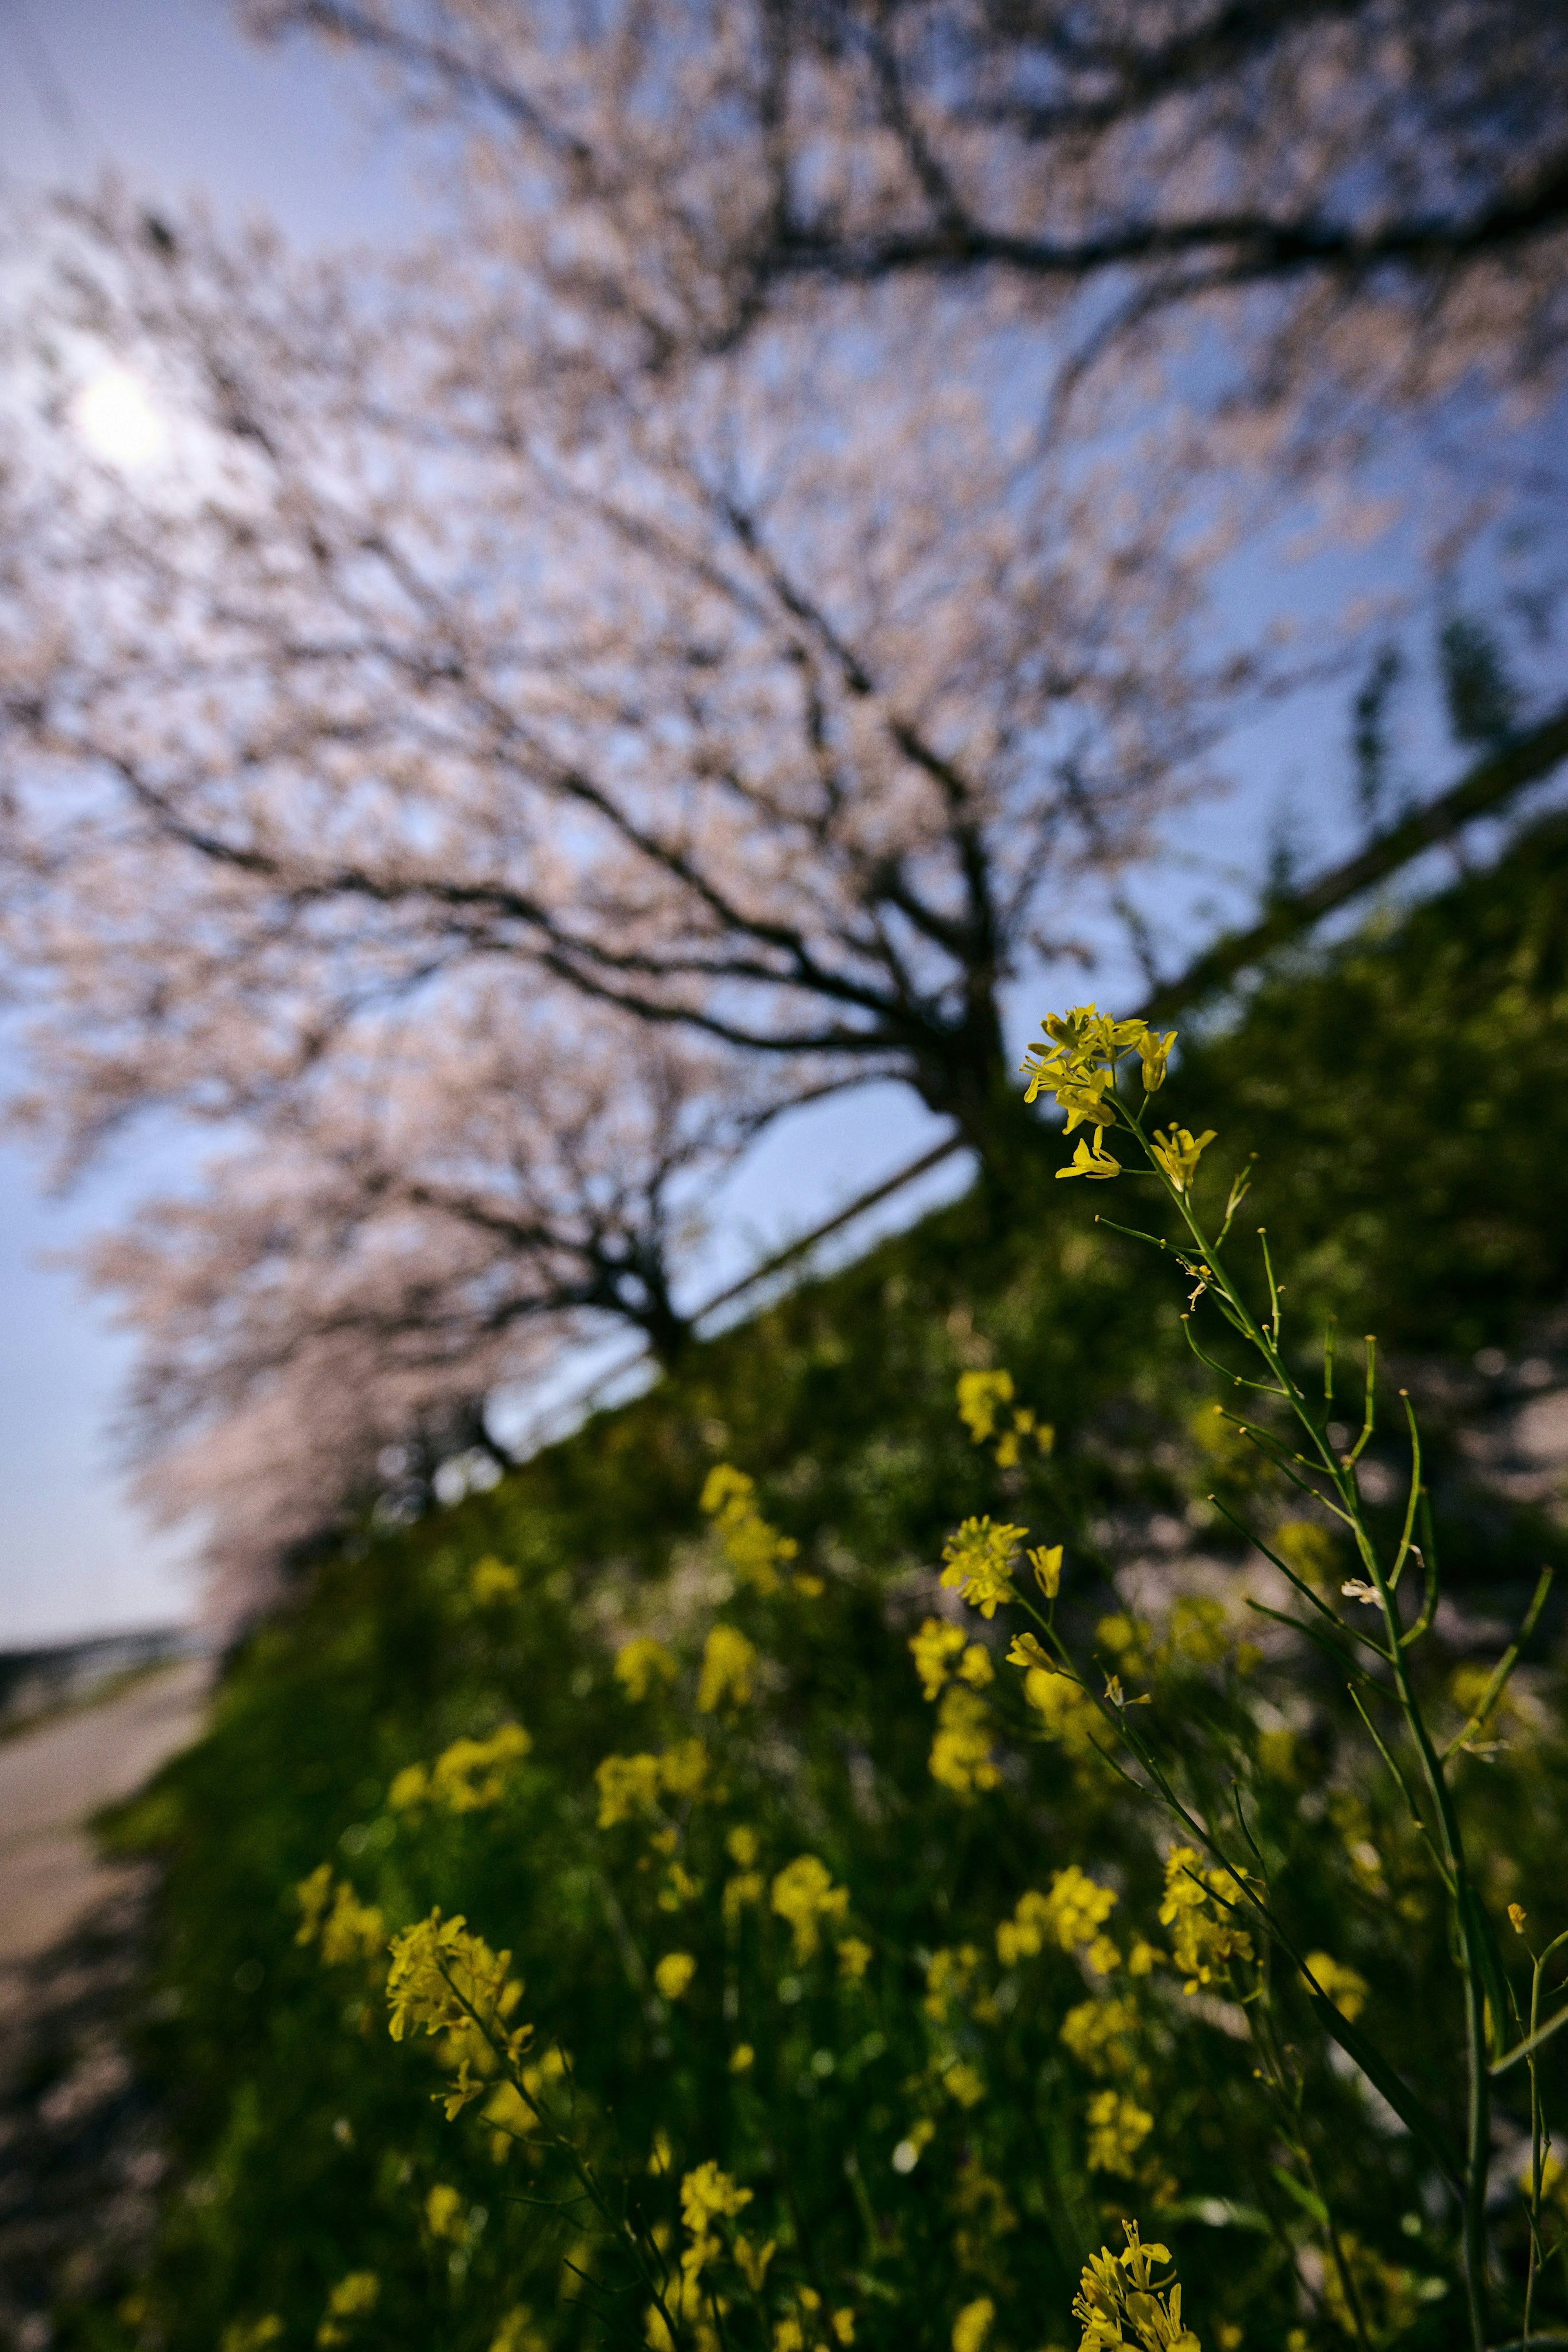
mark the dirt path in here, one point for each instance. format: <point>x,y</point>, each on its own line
<point>79,2160</point>
<point>52,1780</point>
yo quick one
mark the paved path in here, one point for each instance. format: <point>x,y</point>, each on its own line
<point>52,1778</point>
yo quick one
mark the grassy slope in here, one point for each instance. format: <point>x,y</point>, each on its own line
<point>1408,1098</point>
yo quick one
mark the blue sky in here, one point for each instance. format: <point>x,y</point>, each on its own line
<point>167,92</point>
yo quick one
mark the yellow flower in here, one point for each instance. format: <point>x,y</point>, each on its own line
<point>674,1974</point>
<point>752,2262</point>
<point>1179,1152</point>
<point>742,1846</point>
<point>961,1751</point>
<point>640,1664</point>
<point>472,1773</point>
<point>755,1549</point>
<point>628,1786</point>
<point>1517,1916</point>
<point>1072,1914</point>
<point>1342,1985</point>
<point>1068,1712</point>
<point>1205,1941</point>
<point>1154,1051</point>
<point>973,2325</point>
<point>1120,2302</point>
<point>934,1648</point>
<point>444,2212</point>
<point>449,1981</point>
<point>707,2195</point>
<point>683,1768</point>
<point>1099,2035</point>
<point>1118,2129</point>
<point>804,1895</point>
<point>978,1562</point>
<point>1090,1159</point>
<point>742,2058</point>
<point>517,2332</point>
<point>743,1888</point>
<point>352,2298</point>
<point>728,1659</point>
<point>854,1959</point>
<point>348,1928</point>
<point>980,1395</point>
<point>491,1580</point>
<point>963,2083</point>
<point>1046,1562</point>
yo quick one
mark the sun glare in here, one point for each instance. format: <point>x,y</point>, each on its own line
<point>117,420</point>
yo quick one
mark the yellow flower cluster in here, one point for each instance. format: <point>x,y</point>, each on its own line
<point>447,1981</point>
<point>674,1974</point>
<point>1099,2035</point>
<point>639,1664</point>
<point>755,1550</point>
<point>630,1787</point>
<point>728,1663</point>
<point>1205,1939</point>
<point>977,1563</point>
<point>707,2195</point>
<point>1118,2127</point>
<point>940,1651</point>
<point>348,1928</point>
<point>1077,1058</point>
<point>1072,1914</point>
<point>1120,2303</point>
<point>981,1396</point>
<point>961,1751</point>
<point>804,1895</point>
<point>466,1777</point>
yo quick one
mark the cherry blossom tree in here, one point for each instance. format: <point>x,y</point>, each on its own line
<point>323,1319</point>
<point>1391,175</point>
<point>792,706</point>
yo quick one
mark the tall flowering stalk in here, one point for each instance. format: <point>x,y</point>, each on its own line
<point>1085,1061</point>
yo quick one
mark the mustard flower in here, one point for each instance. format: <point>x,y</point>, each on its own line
<point>1205,1940</point>
<point>973,2325</point>
<point>1099,2035</point>
<point>491,1580</point>
<point>1068,1714</point>
<point>628,1786</point>
<point>1046,1562</point>
<point>752,2262</point>
<point>728,1660</point>
<point>683,1768</point>
<point>640,1663</point>
<point>1120,2304</point>
<point>804,1895</point>
<point>447,1980</point>
<point>516,2332</point>
<point>444,2212</point>
<point>1340,1984</point>
<point>354,2297</point>
<point>674,1974</point>
<point>755,1550</point>
<point>707,2195</point>
<point>1091,1159</point>
<point>976,1561</point>
<point>979,1396</point>
<point>1179,1152</point>
<point>854,1959</point>
<point>1072,1914</point>
<point>934,1649</point>
<point>960,1755</point>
